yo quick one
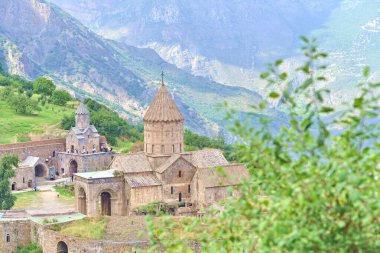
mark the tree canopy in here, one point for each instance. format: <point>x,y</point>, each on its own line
<point>7,164</point>
<point>313,186</point>
<point>43,86</point>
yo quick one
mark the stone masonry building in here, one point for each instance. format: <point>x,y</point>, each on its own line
<point>164,172</point>
<point>82,150</point>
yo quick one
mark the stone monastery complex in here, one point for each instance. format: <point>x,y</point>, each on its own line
<point>112,184</point>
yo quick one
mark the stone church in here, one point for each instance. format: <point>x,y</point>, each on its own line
<point>163,172</point>
<point>82,150</point>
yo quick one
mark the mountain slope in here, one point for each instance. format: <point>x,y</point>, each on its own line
<point>226,41</point>
<point>37,38</point>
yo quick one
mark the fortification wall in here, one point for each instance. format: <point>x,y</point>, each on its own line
<point>49,240</point>
<point>42,149</point>
<point>17,232</point>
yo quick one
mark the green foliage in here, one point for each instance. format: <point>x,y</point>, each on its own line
<point>30,248</point>
<point>4,81</point>
<point>310,189</point>
<point>23,104</point>
<point>194,141</point>
<point>43,86</point>
<point>65,190</point>
<point>108,123</point>
<point>60,97</point>
<point>92,228</point>
<point>7,163</point>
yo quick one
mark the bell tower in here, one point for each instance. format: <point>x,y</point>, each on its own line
<point>163,125</point>
<point>82,117</point>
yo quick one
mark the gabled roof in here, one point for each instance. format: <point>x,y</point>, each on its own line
<point>77,131</point>
<point>142,181</point>
<point>232,175</point>
<point>131,163</point>
<point>208,158</point>
<point>30,161</point>
<point>82,109</point>
<point>163,108</point>
<point>169,162</point>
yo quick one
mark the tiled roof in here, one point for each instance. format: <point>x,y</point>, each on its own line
<point>231,175</point>
<point>208,158</point>
<point>82,109</point>
<point>169,162</point>
<point>78,131</point>
<point>163,108</point>
<point>30,161</point>
<point>142,181</point>
<point>132,163</point>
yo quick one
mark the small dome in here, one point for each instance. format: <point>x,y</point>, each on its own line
<point>82,109</point>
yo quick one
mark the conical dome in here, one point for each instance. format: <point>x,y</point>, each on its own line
<point>163,108</point>
<point>82,109</point>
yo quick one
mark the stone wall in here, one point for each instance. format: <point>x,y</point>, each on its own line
<point>18,232</point>
<point>163,138</point>
<point>49,240</point>
<point>24,178</point>
<point>177,179</point>
<point>144,195</point>
<point>42,149</point>
<point>86,162</point>
<point>92,190</point>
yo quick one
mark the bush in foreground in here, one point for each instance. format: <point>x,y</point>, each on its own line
<point>311,189</point>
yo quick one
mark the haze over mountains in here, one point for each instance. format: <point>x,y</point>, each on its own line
<point>40,39</point>
<point>211,51</point>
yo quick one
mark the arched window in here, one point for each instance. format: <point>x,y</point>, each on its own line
<point>8,238</point>
<point>188,188</point>
<point>171,190</point>
<point>179,173</point>
<point>173,150</point>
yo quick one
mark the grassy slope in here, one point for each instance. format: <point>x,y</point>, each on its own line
<point>15,127</point>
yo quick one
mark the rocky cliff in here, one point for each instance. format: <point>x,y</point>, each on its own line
<point>37,38</point>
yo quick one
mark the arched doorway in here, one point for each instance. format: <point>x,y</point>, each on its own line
<point>82,201</point>
<point>14,186</point>
<point>105,204</point>
<point>62,247</point>
<point>40,170</point>
<point>73,167</point>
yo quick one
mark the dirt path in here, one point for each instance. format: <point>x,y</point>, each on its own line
<point>47,200</point>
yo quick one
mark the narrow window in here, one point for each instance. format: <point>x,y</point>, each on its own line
<point>188,189</point>
<point>23,179</point>
<point>162,149</point>
<point>179,173</point>
<point>173,148</point>
<point>8,238</point>
<point>171,190</point>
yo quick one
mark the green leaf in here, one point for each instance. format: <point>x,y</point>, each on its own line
<point>325,109</point>
<point>274,95</point>
<point>366,71</point>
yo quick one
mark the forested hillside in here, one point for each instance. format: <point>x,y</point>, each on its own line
<point>31,110</point>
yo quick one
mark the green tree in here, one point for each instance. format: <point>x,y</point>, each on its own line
<point>22,104</point>
<point>4,81</point>
<point>43,86</point>
<point>7,164</point>
<point>311,188</point>
<point>60,97</point>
